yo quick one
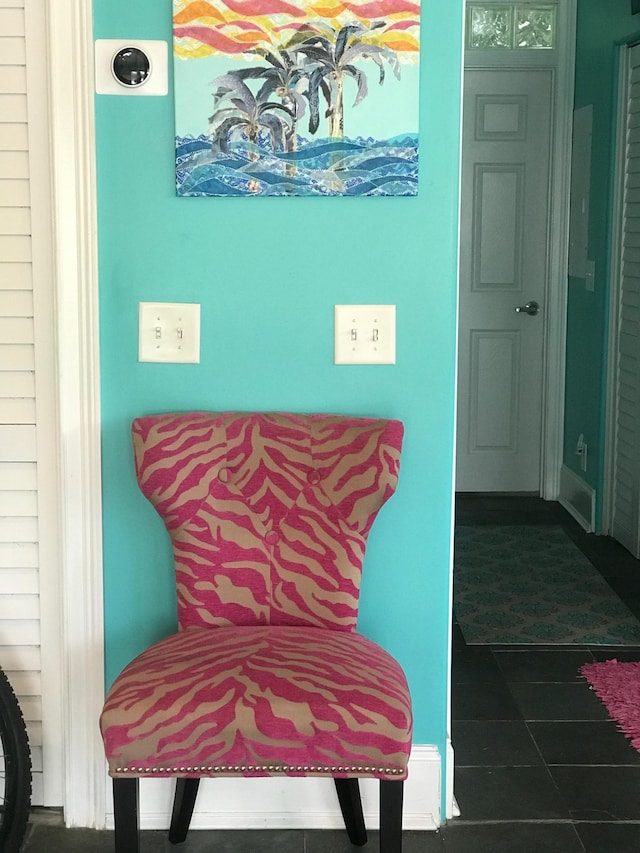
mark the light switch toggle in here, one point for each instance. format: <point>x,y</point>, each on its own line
<point>169,332</point>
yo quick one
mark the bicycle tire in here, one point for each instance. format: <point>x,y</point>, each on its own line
<point>15,770</point>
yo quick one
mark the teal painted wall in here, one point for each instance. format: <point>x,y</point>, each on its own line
<point>601,28</point>
<point>267,273</point>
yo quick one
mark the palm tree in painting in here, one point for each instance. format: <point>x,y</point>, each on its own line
<point>247,115</point>
<point>282,79</point>
<point>330,56</point>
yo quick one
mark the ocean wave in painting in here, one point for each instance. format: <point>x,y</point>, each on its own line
<point>322,167</point>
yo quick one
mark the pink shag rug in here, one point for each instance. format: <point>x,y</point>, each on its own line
<point>618,686</point>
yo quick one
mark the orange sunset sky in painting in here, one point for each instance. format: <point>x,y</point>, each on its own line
<point>230,27</point>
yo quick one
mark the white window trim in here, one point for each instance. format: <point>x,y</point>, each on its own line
<point>75,282</point>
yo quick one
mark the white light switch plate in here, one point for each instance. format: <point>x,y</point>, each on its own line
<point>169,332</point>
<point>365,334</point>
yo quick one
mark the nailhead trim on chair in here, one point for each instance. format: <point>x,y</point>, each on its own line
<point>271,768</point>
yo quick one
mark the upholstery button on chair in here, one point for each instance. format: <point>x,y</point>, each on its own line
<point>224,475</point>
<point>272,537</point>
<point>314,477</point>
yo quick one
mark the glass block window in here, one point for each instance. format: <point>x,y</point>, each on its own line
<point>490,26</point>
<point>510,26</point>
<point>535,26</point>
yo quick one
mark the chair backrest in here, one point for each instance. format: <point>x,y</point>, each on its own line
<point>268,514</point>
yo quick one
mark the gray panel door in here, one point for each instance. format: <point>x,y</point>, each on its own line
<point>503,267</point>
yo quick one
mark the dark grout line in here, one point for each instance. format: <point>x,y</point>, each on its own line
<point>545,821</point>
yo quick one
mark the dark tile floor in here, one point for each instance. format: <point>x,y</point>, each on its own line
<point>539,766</point>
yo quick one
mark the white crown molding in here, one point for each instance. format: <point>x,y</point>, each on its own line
<point>69,26</point>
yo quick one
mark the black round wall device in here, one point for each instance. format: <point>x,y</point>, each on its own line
<point>131,66</point>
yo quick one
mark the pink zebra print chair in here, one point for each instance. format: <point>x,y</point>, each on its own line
<point>268,516</point>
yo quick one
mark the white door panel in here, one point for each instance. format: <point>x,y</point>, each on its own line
<point>503,266</point>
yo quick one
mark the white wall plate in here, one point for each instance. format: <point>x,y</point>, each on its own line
<point>157,52</point>
<point>169,332</point>
<point>365,334</point>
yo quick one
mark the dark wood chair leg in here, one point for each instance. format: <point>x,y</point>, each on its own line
<point>183,803</point>
<point>391,794</point>
<point>125,813</point>
<point>351,808</point>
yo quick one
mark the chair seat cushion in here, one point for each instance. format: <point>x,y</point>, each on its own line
<point>259,701</point>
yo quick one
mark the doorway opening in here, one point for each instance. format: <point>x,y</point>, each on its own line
<point>500,112</point>
<point>516,150</point>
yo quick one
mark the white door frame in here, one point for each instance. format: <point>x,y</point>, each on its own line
<point>75,283</point>
<point>615,273</point>
<point>553,375</point>
<point>614,295</point>
<point>556,328</point>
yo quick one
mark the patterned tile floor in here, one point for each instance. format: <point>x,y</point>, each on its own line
<point>539,767</point>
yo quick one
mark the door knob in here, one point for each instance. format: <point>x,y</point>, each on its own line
<point>531,308</point>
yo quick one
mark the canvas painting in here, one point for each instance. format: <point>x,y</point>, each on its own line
<point>296,97</point>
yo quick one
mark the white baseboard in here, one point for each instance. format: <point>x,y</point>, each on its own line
<point>578,498</point>
<point>276,803</point>
<point>450,804</point>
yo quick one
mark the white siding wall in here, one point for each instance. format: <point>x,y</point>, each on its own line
<point>19,581</point>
